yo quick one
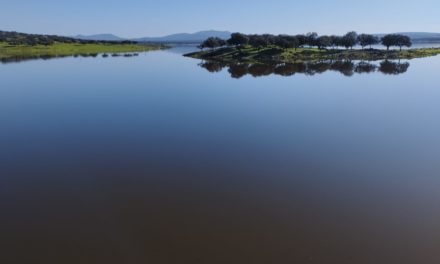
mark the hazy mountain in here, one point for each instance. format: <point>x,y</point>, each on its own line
<point>419,36</point>
<point>186,37</point>
<point>105,37</point>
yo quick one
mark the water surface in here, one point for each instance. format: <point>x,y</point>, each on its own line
<point>153,159</point>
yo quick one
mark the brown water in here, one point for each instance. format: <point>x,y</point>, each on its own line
<point>153,159</point>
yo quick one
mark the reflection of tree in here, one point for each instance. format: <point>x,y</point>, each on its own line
<point>347,68</point>
<point>238,70</point>
<point>258,69</point>
<point>344,67</point>
<point>393,68</point>
<point>318,67</point>
<point>17,59</point>
<point>365,67</point>
<point>212,66</point>
<point>289,69</point>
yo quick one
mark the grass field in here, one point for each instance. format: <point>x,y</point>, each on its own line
<point>63,49</point>
<point>275,54</point>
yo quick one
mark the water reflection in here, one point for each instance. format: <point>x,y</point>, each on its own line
<point>347,68</point>
<point>392,68</point>
<point>18,59</point>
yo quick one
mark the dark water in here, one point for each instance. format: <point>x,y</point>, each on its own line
<point>153,159</point>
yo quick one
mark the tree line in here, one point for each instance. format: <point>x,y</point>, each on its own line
<point>347,41</point>
<point>15,38</point>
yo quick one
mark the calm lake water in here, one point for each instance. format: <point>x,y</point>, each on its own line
<point>154,159</point>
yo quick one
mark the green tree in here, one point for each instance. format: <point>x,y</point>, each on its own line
<point>258,41</point>
<point>396,40</point>
<point>269,39</point>
<point>238,39</point>
<point>336,41</point>
<point>349,40</point>
<point>213,42</point>
<point>389,40</point>
<point>282,42</point>
<point>311,38</point>
<point>302,40</point>
<point>293,42</point>
<point>323,42</point>
<point>403,41</point>
<point>367,40</point>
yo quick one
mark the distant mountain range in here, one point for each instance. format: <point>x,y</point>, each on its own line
<point>419,36</point>
<point>186,37</point>
<point>202,35</point>
<point>175,38</point>
<point>105,37</point>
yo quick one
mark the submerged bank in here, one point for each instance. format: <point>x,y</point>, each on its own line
<point>278,55</point>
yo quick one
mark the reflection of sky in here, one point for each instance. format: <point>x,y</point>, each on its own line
<point>119,145</point>
<point>91,91</point>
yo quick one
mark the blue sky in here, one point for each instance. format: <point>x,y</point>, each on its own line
<point>137,18</point>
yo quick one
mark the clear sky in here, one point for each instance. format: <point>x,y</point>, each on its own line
<point>139,18</point>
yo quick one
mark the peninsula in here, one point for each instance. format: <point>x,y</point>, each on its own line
<point>19,46</point>
<point>309,47</point>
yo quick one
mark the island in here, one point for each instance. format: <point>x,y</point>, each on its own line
<point>241,48</point>
<point>20,46</point>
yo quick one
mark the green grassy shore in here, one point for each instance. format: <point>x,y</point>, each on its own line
<point>66,49</point>
<point>275,54</point>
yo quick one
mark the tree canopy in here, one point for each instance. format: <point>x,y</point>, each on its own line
<point>396,40</point>
<point>367,40</point>
<point>324,42</point>
<point>238,39</point>
<point>348,41</point>
<point>213,42</point>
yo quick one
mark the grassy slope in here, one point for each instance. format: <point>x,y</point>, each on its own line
<point>250,54</point>
<point>62,49</point>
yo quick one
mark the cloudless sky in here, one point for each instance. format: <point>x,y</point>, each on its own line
<point>139,18</point>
